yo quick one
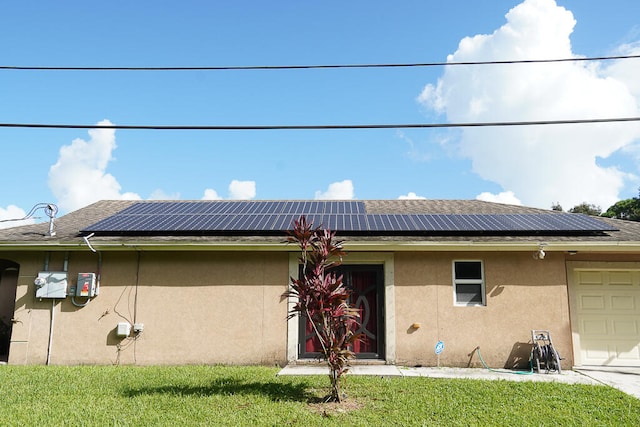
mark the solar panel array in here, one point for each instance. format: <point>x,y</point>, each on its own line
<point>210,217</point>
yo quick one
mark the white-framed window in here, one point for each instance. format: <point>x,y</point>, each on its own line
<point>468,283</point>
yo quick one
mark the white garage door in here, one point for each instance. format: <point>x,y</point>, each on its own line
<point>605,311</point>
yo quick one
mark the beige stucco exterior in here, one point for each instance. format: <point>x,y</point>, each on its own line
<point>196,307</point>
<point>521,294</point>
<point>205,307</point>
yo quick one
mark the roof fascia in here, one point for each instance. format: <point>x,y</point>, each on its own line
<point>368,246</point>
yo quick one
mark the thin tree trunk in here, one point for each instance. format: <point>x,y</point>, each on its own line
<point>335,385</point>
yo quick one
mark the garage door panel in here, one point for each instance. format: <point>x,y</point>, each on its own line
<point>623,302</point>
<point>596,328</point>
<point>631,355</point>
<point>592,302</point>
<point>607,315</point>
<point>612,328</point>
<point>597,352</point>
<point>586,278</point>
<point>609,299</point>
<point>622,278</point>
<point>625,328</point>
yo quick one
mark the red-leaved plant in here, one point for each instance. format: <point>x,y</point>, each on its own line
<point>322,298</point>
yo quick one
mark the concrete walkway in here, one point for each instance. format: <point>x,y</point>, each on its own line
<point>624,379</point>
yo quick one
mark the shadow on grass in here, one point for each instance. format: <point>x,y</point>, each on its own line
<point>273,390</point>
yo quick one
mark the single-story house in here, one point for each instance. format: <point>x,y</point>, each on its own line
<point>202,282</point>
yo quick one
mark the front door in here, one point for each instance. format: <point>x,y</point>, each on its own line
<point>8,285</point>
<point>367,287</point>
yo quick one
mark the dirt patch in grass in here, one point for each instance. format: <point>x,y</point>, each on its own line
<point>327,409</point>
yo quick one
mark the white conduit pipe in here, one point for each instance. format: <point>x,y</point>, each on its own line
<point>53,310</point>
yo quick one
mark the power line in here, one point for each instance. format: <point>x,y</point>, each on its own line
<point>320,127</point>
<point>326,66</point>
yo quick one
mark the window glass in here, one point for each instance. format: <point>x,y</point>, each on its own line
<point>468,283</point>
<point>469,294</point>
<point>468,270</point>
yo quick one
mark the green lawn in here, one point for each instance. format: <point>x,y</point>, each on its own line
<point>255,396</point>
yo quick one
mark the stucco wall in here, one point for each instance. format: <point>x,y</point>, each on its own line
<point>521,294</point>
<point>226,307</point>
<point>196,307</point>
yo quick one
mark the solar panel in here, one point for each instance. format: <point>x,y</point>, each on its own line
<point>282,222</point>
<point>342,216</point>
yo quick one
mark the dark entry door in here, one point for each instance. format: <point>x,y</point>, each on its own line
<point>8,286</point>
<point>366,284</point>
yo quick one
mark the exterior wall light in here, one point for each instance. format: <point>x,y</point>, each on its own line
<point>540,253</point>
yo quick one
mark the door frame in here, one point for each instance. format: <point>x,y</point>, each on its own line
<point>386,259</point>
<point>346,269</point>
<point>8,288</point>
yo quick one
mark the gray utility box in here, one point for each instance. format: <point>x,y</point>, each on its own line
<point>86,286</point>
<point>51,284</point>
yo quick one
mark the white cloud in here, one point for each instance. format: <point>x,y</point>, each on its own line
<point>79,176</point>
<point>415,152</point>
<point>542,164</point>
<point>211,194</point>
<point>506,197</point>
<point>342,190</point>
<point>242,190</point>
<point>626,71</point>
<point>238,190</point>
<point>411,196</point>
<point>13,212</point>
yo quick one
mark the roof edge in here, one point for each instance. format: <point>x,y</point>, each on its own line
<point>355,246</point>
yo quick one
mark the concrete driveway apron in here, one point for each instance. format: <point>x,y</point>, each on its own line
<point>625,379</point>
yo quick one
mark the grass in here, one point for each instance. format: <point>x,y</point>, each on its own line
<point>255,396</point>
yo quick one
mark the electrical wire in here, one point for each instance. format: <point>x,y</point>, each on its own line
<point>49,209</point>
<point>316,127</point>
<point>320,66</point>
<point>321,127</point>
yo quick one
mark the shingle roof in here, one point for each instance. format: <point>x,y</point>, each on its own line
<point>68,226</point>
<point>424,206</point>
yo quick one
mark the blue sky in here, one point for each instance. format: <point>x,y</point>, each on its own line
<point>533,166</point>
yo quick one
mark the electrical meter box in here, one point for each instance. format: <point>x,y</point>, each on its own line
<point>86,286</point>
<point>51,284</point>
